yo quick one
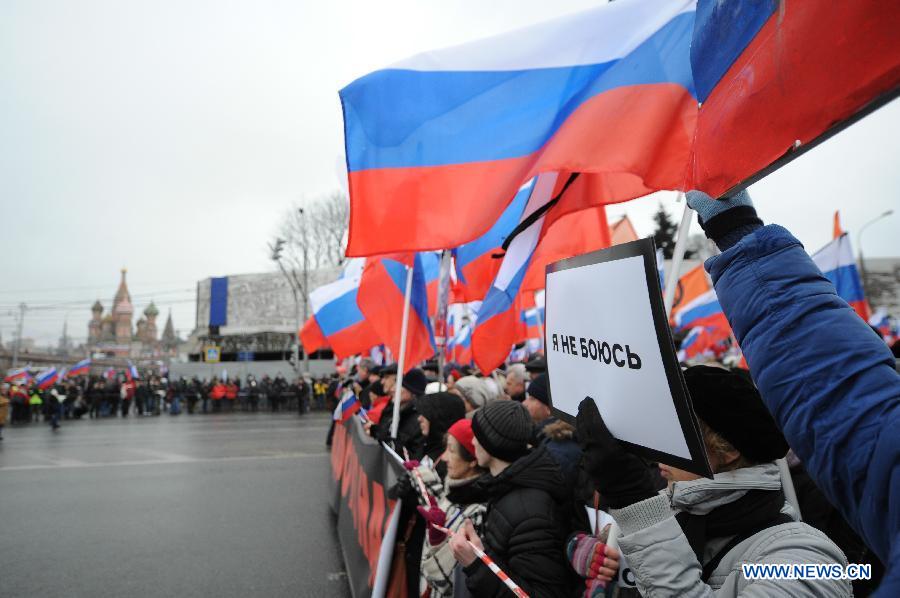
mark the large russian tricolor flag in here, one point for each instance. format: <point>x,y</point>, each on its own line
<point>337,321</point>
<point>381,298</point>
<point>836,262</point>
<point>437,145</point>
<point>47,378</point>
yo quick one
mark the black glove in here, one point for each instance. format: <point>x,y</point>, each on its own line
<point>621,477</point>
<point>403,489</point>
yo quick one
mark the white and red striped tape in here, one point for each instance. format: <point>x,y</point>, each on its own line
<point>492,566</point>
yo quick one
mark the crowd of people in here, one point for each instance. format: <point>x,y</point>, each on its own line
<point>101,397</point>
<point>488,467</point>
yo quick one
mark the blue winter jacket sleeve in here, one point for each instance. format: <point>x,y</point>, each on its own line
<point>828,380</point>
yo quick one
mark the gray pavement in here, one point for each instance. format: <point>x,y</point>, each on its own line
<point>193,505</point>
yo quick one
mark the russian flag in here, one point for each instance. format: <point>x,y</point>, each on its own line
<point>47,378</point>
<point>710,340</point>
<point>692,285</point>
<point>836,262</point>
<point>885,325</point>
<point>337,320</point>
<point>80,368</point>
<point>703,311</point>
<point>20,374</point>
<point>771,74</point>
<point>110,374</point>
<point>460,346</point>
<point>131,372</point>
<point>348,405</point>
<point>437,145</point>
<point>381,298</point>
<point>477,262</point>
<point>533,317</point>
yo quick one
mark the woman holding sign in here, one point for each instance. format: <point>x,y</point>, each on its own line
<point>698,537</point>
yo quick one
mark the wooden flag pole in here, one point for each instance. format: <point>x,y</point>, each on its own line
<point>395,423</point>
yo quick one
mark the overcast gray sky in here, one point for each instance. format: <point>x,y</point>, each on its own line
<point>167,137</point>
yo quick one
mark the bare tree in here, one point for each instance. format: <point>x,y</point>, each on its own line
<point>316,229</point>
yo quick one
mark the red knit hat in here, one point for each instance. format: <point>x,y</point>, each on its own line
<point>462,431</point>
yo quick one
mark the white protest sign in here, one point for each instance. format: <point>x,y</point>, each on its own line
<point>607,338</point>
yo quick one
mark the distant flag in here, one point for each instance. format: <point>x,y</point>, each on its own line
<point>712,341</point>
<point>380,298</point>
<point>885,325</point>
<point>81,368</point>
<point>47,378</point>
<point>460,346</point>
<point>691,285</point>
<point>838,231</point>
<point>17,375</point>
<point>346,407</point>
<point>702,311</point>
<point>836,262</point>
<point>337,319</point>
<point>131,372</point>
<point>110,374</point>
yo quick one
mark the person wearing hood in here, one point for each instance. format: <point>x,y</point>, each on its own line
<point>473,391</point>
<point>557,436</point>
<point>693,538</point>
<point>526,519</point>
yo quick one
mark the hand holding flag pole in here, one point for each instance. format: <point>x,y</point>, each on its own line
<point>464,533</point>
<point>422,488</point>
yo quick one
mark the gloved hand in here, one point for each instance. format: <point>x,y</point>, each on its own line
<point>726,221</point>
<point>403,489</point>
<point>410,464</point>
<point>708,208</point>
<point>434,515</point>
<point>594,588</point>
<point>622,478</point>
<point>586,554</point>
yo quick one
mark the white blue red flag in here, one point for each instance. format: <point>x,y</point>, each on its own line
<point>702,311</point>
<point>836,262</point>
<point>346,407</point>
<point>381,298</point>
<point>131,372</point>
<point>337,321</point>
<point>18,375</point>
<point>47,378</point>
<point>81,368</point>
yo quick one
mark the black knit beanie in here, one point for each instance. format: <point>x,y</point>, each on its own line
<point>539,388</point>
<point>732,407</point>
<point>442,410</point>
<point>503,428</point>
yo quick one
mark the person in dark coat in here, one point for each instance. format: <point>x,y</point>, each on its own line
<point>437,412</point>
<point>527,521</point>
<point>557,436</point>
<point>409,436</point>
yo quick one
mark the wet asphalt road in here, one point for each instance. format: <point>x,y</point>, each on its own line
<point>216,505</point>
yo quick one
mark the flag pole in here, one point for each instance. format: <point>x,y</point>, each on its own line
<point>395,423</point>
<point>678,254</point>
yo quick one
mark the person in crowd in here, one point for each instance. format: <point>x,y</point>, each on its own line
<point>381,393</point>
<point>453,504</point>
<point>96,393</point>
<point>111,398</point>
<point>4,406</point>
<point>231,392</point>
<point>217,395</point>
<point>409,436</point>
<point>436,413</point>
<point>126,394</point>
<point>527,517</point>
<point>516,378</point>
<point>830,383</point>
<point>556,435</point>
<point>473,392</point>
<point>18,398</point>
<point>36,402</point>
<point>52,409</point>
<point>536,366</point>
<point>693,538</point>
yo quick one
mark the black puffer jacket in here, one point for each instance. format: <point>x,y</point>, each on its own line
<point>525,529</point>
<point>409,436</point>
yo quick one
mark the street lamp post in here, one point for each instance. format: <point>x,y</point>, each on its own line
<point>862,261</point>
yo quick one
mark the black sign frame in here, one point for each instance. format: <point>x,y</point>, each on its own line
<point>687,418</point>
